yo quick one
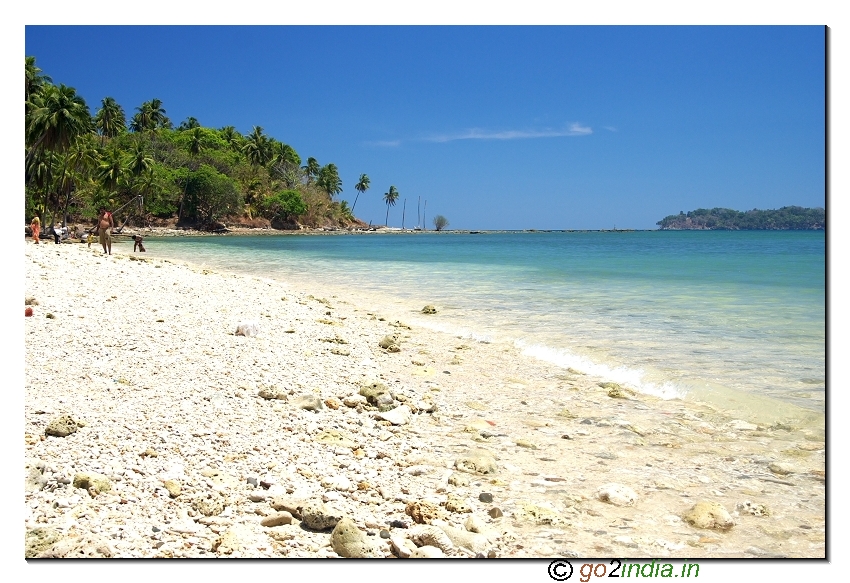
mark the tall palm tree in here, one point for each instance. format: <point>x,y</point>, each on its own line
<point>150,116</point>
<point>61,116</point>
<point>390,197</point>
<point>361,187</point>
<point>112,169</point>
<point>195,147</point>
<point>258,148</point>
<point>189,123</point>
<point>329,180</point>
<point>110,120</point>
<point>311,169</point>
<point>232,137</point>
<point>35,80</point>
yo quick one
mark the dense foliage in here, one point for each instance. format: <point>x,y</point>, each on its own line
<point>785,218</point>
<point>158,174</point>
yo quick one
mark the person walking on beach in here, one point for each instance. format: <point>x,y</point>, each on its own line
<point>105,224</point>
<point>58,231</point>
<point>35,229</point>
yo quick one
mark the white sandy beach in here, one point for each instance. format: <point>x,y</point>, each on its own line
<point>201,443</point>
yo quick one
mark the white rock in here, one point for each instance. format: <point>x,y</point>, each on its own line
<point>398,416</point>
<point>248,328</point>
<point>617,494</point>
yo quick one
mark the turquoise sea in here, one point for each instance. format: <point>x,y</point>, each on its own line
<point>733,319</point>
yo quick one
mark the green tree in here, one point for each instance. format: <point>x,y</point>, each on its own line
<point>211,195</point>
<point>361,187</point>
<point>284,205</point>
<point>110,120</point>
<point>149,117</point>
<point>390,197</point>
<point>258,148</point>
<point>311,169</point>
<point>329,180</point>
<point>189,123</point>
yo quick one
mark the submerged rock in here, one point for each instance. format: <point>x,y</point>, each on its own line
<point>429,309</point>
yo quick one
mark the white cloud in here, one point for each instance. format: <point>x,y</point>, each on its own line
<point>610,128</point>
<point>575,129</point>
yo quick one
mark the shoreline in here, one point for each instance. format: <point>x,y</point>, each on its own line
<point>185,387</point>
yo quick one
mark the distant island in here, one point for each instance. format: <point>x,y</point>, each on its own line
<point>719,219</point>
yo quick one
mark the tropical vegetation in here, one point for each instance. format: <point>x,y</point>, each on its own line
<point>190,175</point>
<point>785,218</point>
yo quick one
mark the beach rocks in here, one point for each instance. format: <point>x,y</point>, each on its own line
<point>173,487</point>
<point>308,402</point>
<point>427,552</point>
<point>753,509</point>
<point>349,541</point>
<point>273,393</point>
<point>398,416</point>
<point>456,479</point>
<point>429,309</point>
<point>210,503</point>
<point>432,536</point>
<point>277,519</point>
<point>782,468</point>
<point>390,343</point>
<point>475,542</point>
<point>617,494</point>
<point>317,516</point>
<point>248,328</point>
<point>374,391</point>
<point>477,461</point>
<point>94,483</point>
<point>38,540</point>
<point>34,479</point>
<point>62,426</point>
<point>336,438</point>
<point>707,514</point>
<point>457,504</point>
<point>422,512</point>
<point>89,546</point>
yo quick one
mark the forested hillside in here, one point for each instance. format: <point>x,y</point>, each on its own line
<point>785,218</point>
<point>189,175</point>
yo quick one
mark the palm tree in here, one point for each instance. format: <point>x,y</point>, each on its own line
<point>60,116</point>
<point>329,180</point>
<point>361,187</point>
<point>150,116</point>
<point>110,120</point>
<point>35,80</point>
<point>232,137</point>
<point>311,170</point>
<point>189,123</point>
<point>257,147</point>
<point>111,169</point>
<point>195,147</point>
<point>390,197</point>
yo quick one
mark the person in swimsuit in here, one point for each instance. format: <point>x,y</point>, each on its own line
<point>137,243</point>
<point>35,228</point>
<point>105,223</point>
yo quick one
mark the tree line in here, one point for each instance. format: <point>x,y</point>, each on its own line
<point>77,162</point>
<point>785,218</point>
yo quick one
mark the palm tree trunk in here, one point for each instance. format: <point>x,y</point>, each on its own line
<point>355,202</point>
<point>423,215</point>
<point>386,220</point>
<point>404,208</point>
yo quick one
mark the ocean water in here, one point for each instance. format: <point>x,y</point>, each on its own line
<point>733,319</point>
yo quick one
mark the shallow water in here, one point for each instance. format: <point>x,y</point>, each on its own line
<point>736,319</point>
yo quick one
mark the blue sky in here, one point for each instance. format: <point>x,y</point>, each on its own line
<point>578,127</point>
